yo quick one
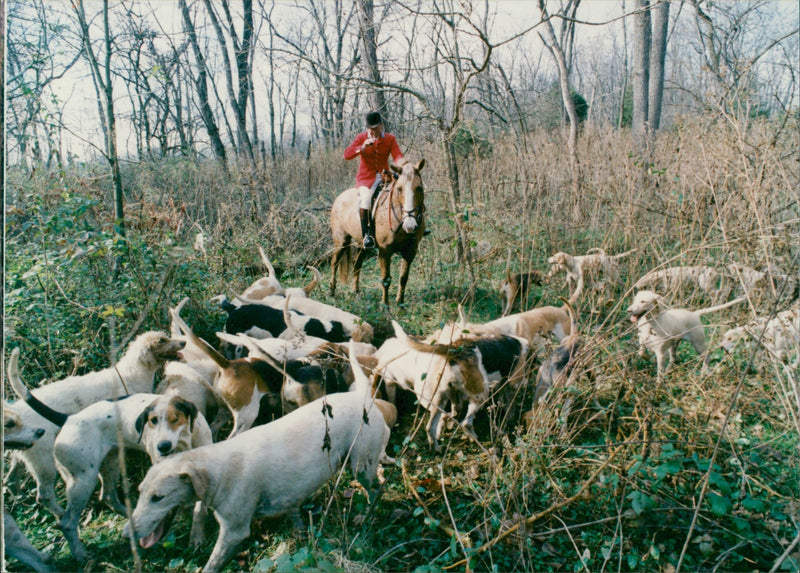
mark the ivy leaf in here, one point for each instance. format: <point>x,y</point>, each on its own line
<point>720,504</point>
<point>641,502</point>
<point>670,468</point>
<point>655,553</point>
<point>264,565</point>
<point>750,503</point>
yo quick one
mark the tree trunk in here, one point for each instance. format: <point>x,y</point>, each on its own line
<point>113,159</point>
<point>566,96</point>
<point>201,83</point>
<point>238,101</point>
<point>621,119</point>
<point>273,143</point>
<point>105,92</point>
<point>2,131</point>
<point>658,54</point>
<point>455,197</point>
<point>2,136</point>
<point>369,39</point>
<point>641,65</point>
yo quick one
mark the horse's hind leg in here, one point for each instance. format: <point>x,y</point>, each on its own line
<point>338,252</point>
<point>362,254</point>
<point>340,261</point>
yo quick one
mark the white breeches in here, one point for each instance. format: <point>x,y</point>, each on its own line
<point>365,193</point>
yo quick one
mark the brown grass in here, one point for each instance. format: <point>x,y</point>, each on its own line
<point>710,192</point>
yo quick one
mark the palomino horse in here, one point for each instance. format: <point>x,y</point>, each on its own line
<point>399,226</point>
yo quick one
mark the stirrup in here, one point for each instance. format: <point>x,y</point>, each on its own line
<point>368,242</point>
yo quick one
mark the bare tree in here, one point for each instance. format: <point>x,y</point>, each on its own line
<point>732,43</point>
<point>179,99</point>
<point>201,85</point>
<point>102,76</point>
<point>454,63</point>
<point>271,82</point>
<point>2,127</point>
<point>239,92</point>
<point>641,65</point>
<point>329,51</point>
<point>559,50</point>
<point>36,34</point>
<point>658,55</point>
<point>650,27</point>
<point>146,115</point>
<point>369,38</point>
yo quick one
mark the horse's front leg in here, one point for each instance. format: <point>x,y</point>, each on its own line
<point>385,260</point>
<point>405,266</point>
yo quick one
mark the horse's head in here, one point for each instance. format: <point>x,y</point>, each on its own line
<point>410,182</point>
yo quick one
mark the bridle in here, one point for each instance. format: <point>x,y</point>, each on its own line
<point>415,214</point>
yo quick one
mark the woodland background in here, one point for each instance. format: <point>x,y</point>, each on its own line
<point>670,127</point>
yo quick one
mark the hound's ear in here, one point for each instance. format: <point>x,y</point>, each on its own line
<point>396,169</point>
<point>420,165</point>
<point>141,421</point>
<point>197,477</point>
<point>188,409</point>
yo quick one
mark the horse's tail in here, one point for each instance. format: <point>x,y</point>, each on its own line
<point>345,263</point>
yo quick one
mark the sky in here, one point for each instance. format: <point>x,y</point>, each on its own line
<point>509,18</point>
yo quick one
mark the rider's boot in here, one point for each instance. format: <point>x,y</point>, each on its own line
<point>369,242</point>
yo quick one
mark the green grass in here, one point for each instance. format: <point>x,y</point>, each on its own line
<point>639,452</point>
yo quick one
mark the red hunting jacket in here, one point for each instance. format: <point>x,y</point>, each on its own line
<point>374,159</point>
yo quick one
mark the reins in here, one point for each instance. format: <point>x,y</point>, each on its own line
<point>415,213</point>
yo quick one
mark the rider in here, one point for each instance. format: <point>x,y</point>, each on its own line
<point>374,146</point>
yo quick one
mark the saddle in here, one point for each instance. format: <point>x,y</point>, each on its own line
<point>387,180</point>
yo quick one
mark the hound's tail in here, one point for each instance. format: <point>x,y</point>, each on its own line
<point>204,346</point>
<point>174,329</point>
<point>625,254</point>
<point>703,311</point>
<point>573,317</point>
<point>447,350</point>
<point>360,383</point>
<point>433,348</point>
<point>508,266</point>
<point>45,411</point>
<point>288,319</point>
<point>267,263</point>
<point>309,288</point>
<point>462,318</point>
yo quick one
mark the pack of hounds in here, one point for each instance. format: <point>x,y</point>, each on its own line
<point>294,390</point>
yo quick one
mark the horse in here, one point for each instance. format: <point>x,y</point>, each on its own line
<point>399,226</point>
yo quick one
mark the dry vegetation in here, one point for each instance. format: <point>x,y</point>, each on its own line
<point>616,472</point>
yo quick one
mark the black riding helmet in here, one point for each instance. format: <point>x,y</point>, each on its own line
<point>374,119</point>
